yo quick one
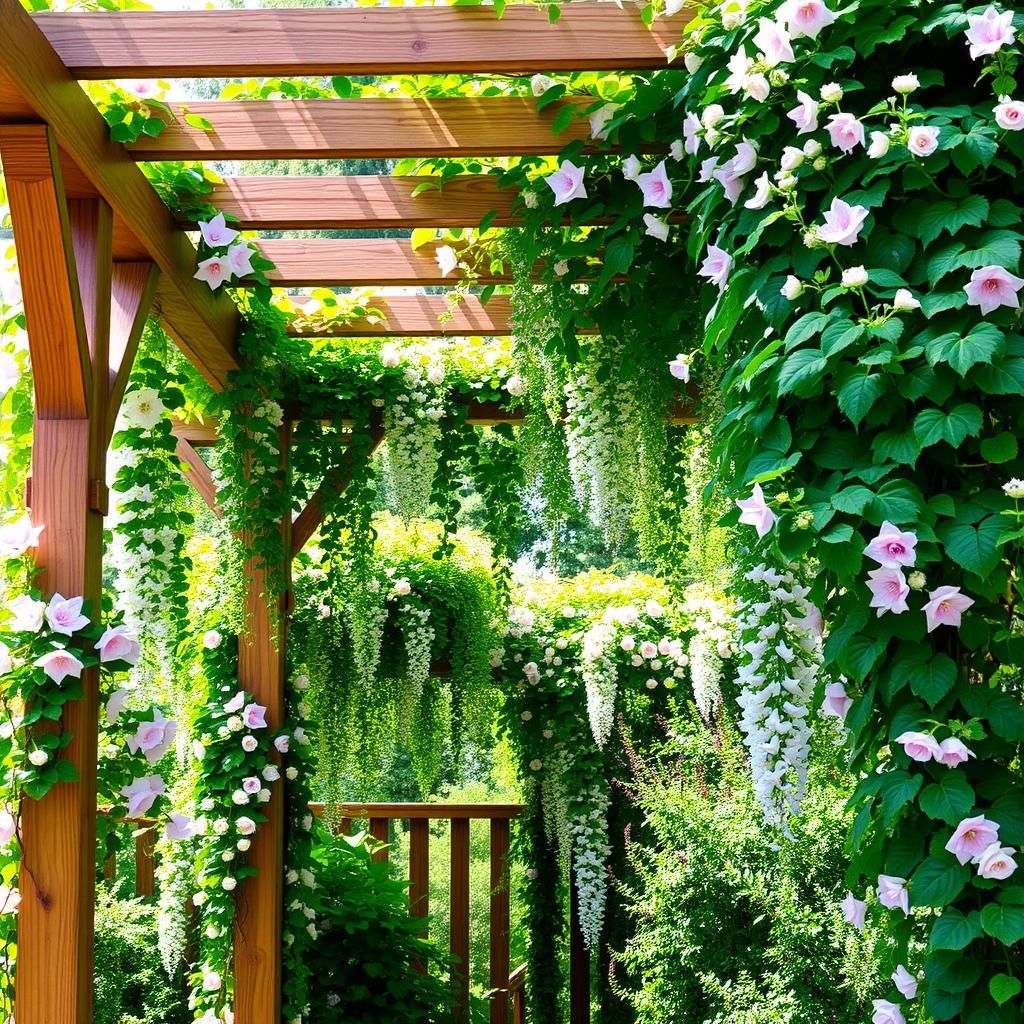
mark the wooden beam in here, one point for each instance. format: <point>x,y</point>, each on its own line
<point>198,473</point>
<point>359,262</point>
<point>369,128</point>
<point>31,70</point>
<point>133,286</point>
<point>358,41</point>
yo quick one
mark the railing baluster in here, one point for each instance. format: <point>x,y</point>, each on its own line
<point>460,917</point>
<point>346,826</point>
<point>499,919</point>
<point>419,868</point>
<point>380,828</point>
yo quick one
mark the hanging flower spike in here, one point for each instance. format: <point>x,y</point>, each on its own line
<point>754,511</point>
<point>17,537</point>
<point>567,183</point>
<point>216,234</point>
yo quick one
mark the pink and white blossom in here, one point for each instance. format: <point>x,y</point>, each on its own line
<point>631,165</point>
<point>18,536</point>
<point>10,900</point>
<point>28,614</point>
<point>8,826</point>
<point>567,183</point>
<point>64,615</point>
<point>879,145</point>
<point>655,227</point>
<point>772,40</point>
<point>946,607</point>
<point>953,752</point>
<point>754,511</point>
<point>889,591</point>
<point>114,704</point>
<point>211,639</point>
<point>920,746</point>
<point>845,131</point>
<point>216,233</point>
<point>885,1012</point>
<point>892,893</point>
<point>991,287</point>
<point>905,982</point>
<point>923,140</point>
<point>972,837</point>
<point>236,703</point>
<point>118,643</point>
<point>854,911</point>
<point>716,267</point>
<point>680,369</point>
<point>180,826</point>
<point>707,169</point>
<point>836,703</point>
<point>1009,114</point>
<point>58,664</point>
<point>730,180</point>
<point>843,223</point>
<point>142,793</point>
<point>153,738</point>
<point>240,259</point>
<point>892,547</point>
<point>656,187</point>
<point>806,17</point>
<point>989,32</point>
<point>254,716</point>
<point>214,271</point>
<point>691,134</point>
<point>997,862</point>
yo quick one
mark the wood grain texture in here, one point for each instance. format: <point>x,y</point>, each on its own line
<point>419,869</point>
<point>459,918</point>
<point>145,863</point>
<point>358,40</point>
<point>280,202</point>
<point>433,812</point>
<point>380,829</point>
<point>132,288</point>
<point>198,474</point>
<point>499,921</point>
<point>370,128</point>
<point>517,986</point>
<point>31,69</point>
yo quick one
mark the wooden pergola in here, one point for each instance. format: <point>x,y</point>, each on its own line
<point>98,253</point>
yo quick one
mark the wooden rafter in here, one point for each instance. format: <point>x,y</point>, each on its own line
<point>33,78</point>
<point>358,40</point>
<point>371,128</point>
<point>197,472</point>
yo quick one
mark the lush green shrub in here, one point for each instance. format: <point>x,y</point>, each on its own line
<point>130,984</point>
<point>362,970</point>
<point>731,927</point>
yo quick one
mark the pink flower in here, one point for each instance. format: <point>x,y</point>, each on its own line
<point>845,131</point>
<point>249,743</point>
<point>854,911</point>
<point>59,664</point>
<point>180,826</point>
<point>153,738</point>
<point>114,705</point>
<point>842,223</point>
<point>567,183</point>
<point>65,615</point>
<point>745,159</point>
<point>946,606</point>
<point>716,266</point>
<point>754,511</point>
<point>953,752</point>
<point>923,140</point>
<point>997,862</point>
<point>989,32</point>
<point>17,537</point>
<point>691,133</point>
<point>8,826</point>
<point>253,716</point>
<point>806,17</point>
<point>892,547</point>
<point>10,900</point>
<point>773,42</point>
<point>680,367</point>
<point>142,793</point>
<point>1010,115</point>
<point>216,233</point>
<point>282,744</point>
<point>118,644</point>
<point>246,826</point>
<point>889,591</point>
<point>836,703</point>
<point>886,1012</point>
<point>236,703</point>
<point>892,893</point>
<point>214,271</point>
<point>905,982</point>
<point>251,785</point>
<point>992,287</point>
<point>920,746</point>
<point>805,116</point>
<point>707,169</point>
<point>656,188</point>
<point>973,836</point>
<point>730,180</point>
<point>240,259</point>
<point>211,639</point>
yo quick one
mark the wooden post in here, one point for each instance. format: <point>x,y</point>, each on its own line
<point>459,924</point>
<point>259,918</point>
<point>65,264</point>
<point>499,920</point>
<point>145,862</point>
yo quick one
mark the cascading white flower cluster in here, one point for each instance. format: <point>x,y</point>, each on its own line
<point>588,828</point>
<point>710,645</point>
<point>412,428</point>
<point>418,633</point>
<point>176,875</point>
<point>601,677</point>
<point>780,654</point>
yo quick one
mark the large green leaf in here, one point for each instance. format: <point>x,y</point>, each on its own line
<point>1005,923</point>
<point>858,393</point>
<point>933,425</point>
<point>803,367</point>
<point>980,345</point>
<point>934,679</point>
<point>954,931</point>
<point>973,547</point>
<point>938,881</point>
<point>948,800</point>
<point>898,790</point>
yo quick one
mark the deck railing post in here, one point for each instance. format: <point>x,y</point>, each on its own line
<point>499,924</point>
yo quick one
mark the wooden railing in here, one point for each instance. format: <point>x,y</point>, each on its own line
<point>507,1003</point>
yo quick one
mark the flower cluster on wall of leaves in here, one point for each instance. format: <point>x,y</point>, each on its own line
<point>854,180</point>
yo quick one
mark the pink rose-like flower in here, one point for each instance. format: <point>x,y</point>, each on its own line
<point>180,826</point>
<point>986,33</point>
<point>992,287</point>
<point>10,900</point>
<point>997,862</point>
<point>973,836</point>
<point>886,1012</point>
<point>843,223</point>
<point>567,183</point>
<point>805,116</point>
<point>118,644</point>
<point>1010,115</point>
<point>953,752</point>
<point>892,547</point>
<point>114,705</point>
<point>946,607</point>
<point>836,704</point>
<point>65,615</point>
<point>892,893</point>
<point>923,140</point>
<point>59,664</point>
<point>754,511</point>
<point>251,785</point>
<point>153,738</point>
<point>8,826</point>
<point>249,743</point>
<point>806,17</point>
<point>17,537</point>
<point>253,716</point>
<point>142,793</point>
<point>716,267</point>
<point>216,233</point>
<point>282,744</point>
<point>245,825</point>
<point>889,591</point>
<point>905,982</point>
<point>214,271</point>
<point>854,911</point>
<point>845,131</point>
<point>772,40</point>
<point>920,746</point>
<point>656,187</point>
<point>236,703</point>
<point>211,639</point>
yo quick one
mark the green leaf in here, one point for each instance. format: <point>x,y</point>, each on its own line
<point>1001,448</point>
<point>951,972</point>
<point>1003,987</point>
<point>1005,923</point>
<point>858,393</point>
<point>948,800</point>
<point>964,351</point>
<point>934,679</point>
<point>898,790</point>
<point>954,931</point>
<point>808,326</point>
<point>933,425</point>
<point>896,446</point>
<point>976,548</point>
<point>938,881</point>
<point>803,367</point>
<point>342,86</point>
<point>852,499</point>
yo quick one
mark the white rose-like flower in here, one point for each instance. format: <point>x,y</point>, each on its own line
<point>879,145</point>
<point>855,277</point>
<point>793,288</point>
<point>905,84</point>
<point>832,92</point>
<point>229,884</point>
<point>904,301</point>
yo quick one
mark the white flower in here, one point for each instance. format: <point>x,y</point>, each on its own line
<point>793,288</point>
<point>693,62</point>
<point>143,408</point>
<point>791,158</point>
<point>1014,488</point>
<point>38,757</point>
<point>879,145</point>
<point>903,300</point>
<point>855,277</point>
<point>536,765</point>
<point>905,84</point>
<point>229,884</point>
<point>831,93</point>
<point>540,84</point>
